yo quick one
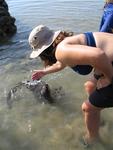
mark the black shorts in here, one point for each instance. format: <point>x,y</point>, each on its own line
<point>103,97</point>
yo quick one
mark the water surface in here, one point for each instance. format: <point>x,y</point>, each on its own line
<point>30,124</point>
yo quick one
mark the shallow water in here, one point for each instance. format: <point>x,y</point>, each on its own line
<point>31,124</point>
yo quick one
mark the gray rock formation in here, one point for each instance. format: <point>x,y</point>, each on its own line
<point>7,22</point>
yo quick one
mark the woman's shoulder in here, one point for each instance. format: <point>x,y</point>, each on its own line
<point>75,39</point>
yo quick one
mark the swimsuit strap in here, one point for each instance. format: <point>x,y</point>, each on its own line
<point>90,39</point>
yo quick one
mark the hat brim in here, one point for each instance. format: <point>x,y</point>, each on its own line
<point>35,53</point>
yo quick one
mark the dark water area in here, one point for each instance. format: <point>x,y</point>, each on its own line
<point>31,124</point>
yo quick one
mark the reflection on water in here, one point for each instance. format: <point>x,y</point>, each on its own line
<point>31,124</point>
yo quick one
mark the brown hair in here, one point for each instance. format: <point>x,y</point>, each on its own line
<point>48,56</point>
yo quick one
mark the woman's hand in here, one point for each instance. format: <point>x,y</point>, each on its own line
<point>38,74</point>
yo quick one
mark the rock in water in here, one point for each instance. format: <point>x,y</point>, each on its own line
<point>39,88</point>
<point>7,22</point>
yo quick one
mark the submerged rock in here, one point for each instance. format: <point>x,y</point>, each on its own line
<point>39,88</point>
<point>7,22</point>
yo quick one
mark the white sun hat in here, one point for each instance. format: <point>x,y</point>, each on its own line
<point>40,38</point>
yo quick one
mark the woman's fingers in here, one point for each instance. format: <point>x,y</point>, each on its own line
<point>37,74</point>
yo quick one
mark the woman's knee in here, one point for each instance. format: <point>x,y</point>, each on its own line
<point>88,107</point>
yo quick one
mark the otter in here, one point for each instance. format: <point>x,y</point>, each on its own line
<point>39,88</point>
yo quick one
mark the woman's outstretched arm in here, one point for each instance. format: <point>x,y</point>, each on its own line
<point>50,69</point>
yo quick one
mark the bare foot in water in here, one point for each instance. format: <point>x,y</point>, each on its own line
<point>87,141</point>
